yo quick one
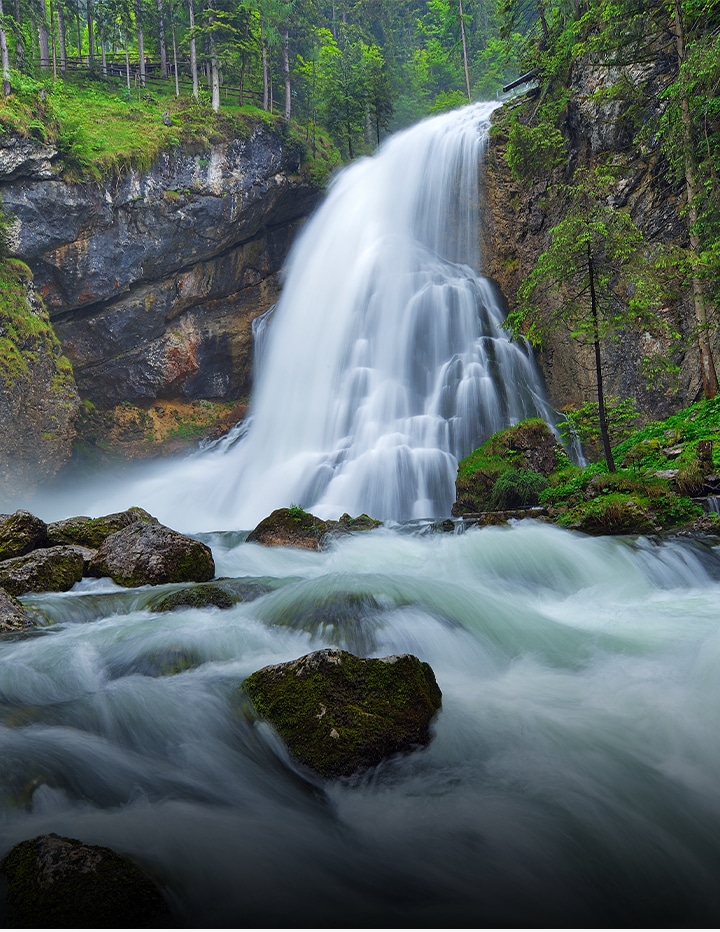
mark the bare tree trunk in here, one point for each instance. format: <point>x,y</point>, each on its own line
<point>43,36</point>
<point>707,364</point>
<point>91,35</point>
<point>103,51</point>
<point>140,40</point>
<point>19,47</point>
<point>61,38</point>
<point>4,56</point>
<point>286,72</point>
<point>193,51</point>
<point>161,40</point>
<point>464,51</point>
<point>127,61</point>
<point>602,417</point>
<point>264,66</point>
<point>174,45</point>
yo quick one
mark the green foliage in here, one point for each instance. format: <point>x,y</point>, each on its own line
<point>534,150</point>
<point>583,422</point>
<point>517,488</point>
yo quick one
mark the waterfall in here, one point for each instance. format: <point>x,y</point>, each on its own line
<point>385,361</point>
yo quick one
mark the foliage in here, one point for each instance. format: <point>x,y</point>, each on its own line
<point>517,488</point>
<point>583,422</point>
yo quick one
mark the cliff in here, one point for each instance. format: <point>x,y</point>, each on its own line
<point>152,280</point>
<point>518,218</point>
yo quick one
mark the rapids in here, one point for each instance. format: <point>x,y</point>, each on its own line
<point>572,778</point>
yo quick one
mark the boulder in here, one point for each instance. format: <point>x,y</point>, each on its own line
<point>21,533</point>
<point>58,883</point>
<point>290,527</point>
<point>13,616</point>
<point>203,596</point>
<point>338,713</point>
<point>92,532</point>
<point>53,569</point>
<point>144,553</point>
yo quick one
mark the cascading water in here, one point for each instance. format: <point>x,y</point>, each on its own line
<point>385,360</point>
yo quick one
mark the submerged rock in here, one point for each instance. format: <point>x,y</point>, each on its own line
<point>339,713</point>
<point>202,596</point>
<point>53,569</point>
<point>146,553</point>
<point>20,533</point>
<point>92,532</point>
<point>59,883</point>
<point>13,616</point>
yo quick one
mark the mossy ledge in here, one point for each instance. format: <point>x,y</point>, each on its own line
<point>339,714</point>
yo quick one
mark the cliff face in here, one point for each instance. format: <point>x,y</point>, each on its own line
<point>517,223</point>
<point>152,280</point>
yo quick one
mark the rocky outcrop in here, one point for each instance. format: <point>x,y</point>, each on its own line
<point>518,219</point>
<point>339,713</point>
<point>152,279</point>
<point>57,883</point>
<point>149,554</point>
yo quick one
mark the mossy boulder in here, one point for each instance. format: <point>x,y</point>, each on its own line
<point>339,714</point>
<point>20,533</point>
<point>92,532</point>
<point>203,596</point>
<point>290,527</point>
<point>53,569</point>
<point>59,883</point>
<point>509,470</point>
<point>611,514</point>
<point>13,616</point>
<point>145,553</point>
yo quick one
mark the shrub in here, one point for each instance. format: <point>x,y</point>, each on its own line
<point>517,488</point>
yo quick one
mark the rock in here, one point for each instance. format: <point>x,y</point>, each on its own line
<point>339,713</point>
<point>27,157</point>
<point>13,616</point>
<point>610,515</point>
<point>146,553</point>
<point>20,533</point>
<point>203,596</point>
<point>57,883</point>
<point>54,569</point>
<point>92,532</point>
<point>290,527</point>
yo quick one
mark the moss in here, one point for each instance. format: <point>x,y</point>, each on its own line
<point>195,597</point>
<point>339,713</point>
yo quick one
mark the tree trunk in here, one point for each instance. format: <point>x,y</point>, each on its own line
<point>91,36</point>
<point>161,41</point>
<point>193,51</point>
<point>264,66</point>
<point>19,47</point>
<point>61,38</point>
<point>140,40</point>
<point>464,51</point>
<point>707,364</point>
<point>43,36</point>
<point>602,417</point>
<point>103,51</point>
<point>286,71</point>
<point>4,56</point>
<point>174,47</point>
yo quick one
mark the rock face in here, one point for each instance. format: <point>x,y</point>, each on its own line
<point>60,883</point>
<point>517,219</point>
<point>146,553</point>
<point>152,280</point>
<point>339,713</point>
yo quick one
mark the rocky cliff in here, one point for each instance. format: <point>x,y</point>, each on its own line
<point>152,279</point>
<point>518,218</point>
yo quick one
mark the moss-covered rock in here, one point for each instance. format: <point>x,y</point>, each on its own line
<point>13,616</point>
<point>53,569</point>
<point>92,532</point>
<point>339,713</point>
<point>290,527</point>
<point>509,470</point>
<point>203,596</point>
<point>611,514</point>
<point>20,533</point>
<point>145,553</point>
<point>60,883</point>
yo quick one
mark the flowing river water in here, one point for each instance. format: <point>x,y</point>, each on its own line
<point>573,774</point>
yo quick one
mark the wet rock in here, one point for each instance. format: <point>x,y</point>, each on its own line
<point>20,533</point>
<point>13,616</point>
<point>146,553</point>
<point>92,532</point>
<point>57,883</point>
<point>339,713</point>
<point>203,596</point>
<point>290,527</point>
<point>610,515</point>
<point>53,569</point>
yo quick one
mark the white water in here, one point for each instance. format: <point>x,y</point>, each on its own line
<point>385,360</point>
<point>572,778</point>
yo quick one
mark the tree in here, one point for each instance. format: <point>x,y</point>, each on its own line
<point>595,274</point>
<point>379,92</point>
<point>4,55</point>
